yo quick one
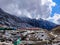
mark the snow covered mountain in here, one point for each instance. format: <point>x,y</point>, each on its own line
<point>42,24</point>
<point>12,21</point>
<point>23,22</point>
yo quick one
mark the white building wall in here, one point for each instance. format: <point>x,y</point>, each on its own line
<point>42,35</point>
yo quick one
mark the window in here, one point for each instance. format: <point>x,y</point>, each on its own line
<point>42,35</point>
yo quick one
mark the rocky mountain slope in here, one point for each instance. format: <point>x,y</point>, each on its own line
<point>12,21</point>
<point>23,22</point>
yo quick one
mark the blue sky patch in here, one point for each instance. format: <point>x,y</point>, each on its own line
<point>56,9</point>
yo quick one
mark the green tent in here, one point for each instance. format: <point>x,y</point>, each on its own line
<point>17,42</point>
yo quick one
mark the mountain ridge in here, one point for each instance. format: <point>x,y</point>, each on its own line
<point>24,22</point>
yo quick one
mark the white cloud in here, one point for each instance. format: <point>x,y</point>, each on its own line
<point>31,8</point>
<point>34,8</point>
<point>55,18</point>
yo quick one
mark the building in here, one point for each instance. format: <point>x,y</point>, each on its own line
<point>1,25</point>
<point>36,33</point>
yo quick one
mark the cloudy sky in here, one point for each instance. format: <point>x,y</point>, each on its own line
<point>46,9</point>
